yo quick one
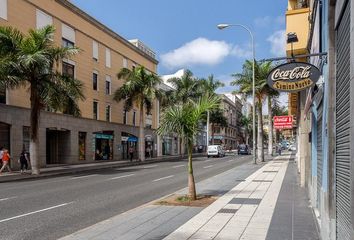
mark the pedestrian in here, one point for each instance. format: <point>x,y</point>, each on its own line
<point>5,161</point>
<point>24,159</point>
<point>1,154</point>
<point>131,153</point>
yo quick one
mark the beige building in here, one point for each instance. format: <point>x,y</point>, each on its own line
<point>104,127</point>
<point>231,135</point>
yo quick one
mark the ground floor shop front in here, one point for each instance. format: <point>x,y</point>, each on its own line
<point>64,139</point>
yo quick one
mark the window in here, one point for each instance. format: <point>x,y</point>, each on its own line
<point>67,43</point>
<point>125,113</point>
<point>108,113</point>
<point>82,145</point>
<point>95,50</point>
<point>125,62</point>
<point>108,57</point>
<point>95,81</point>
<point>134,117</point>
<point>68,69</point>
<point>95,110</point>
<point>68,34</point>
<point>108,85</point>
<point>2,94</point>
<point>43,19</point>
<point>3,9</point>
<point>26,138</point>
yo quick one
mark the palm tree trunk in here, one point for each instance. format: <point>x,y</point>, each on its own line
<point>260,151</point>
<point>191,182</point>
<point>34,142</point>
<point>270,126</point>
<point>212,133</point>
<point>141,134</point>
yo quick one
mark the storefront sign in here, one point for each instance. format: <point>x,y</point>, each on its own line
<point>103,136</point>
<point>293,77</point>
<point>283,122</point>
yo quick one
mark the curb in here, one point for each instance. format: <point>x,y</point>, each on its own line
<point>13,178</point>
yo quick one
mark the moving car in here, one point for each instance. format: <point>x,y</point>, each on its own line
<point>215,151</point>
<point>243,149</point>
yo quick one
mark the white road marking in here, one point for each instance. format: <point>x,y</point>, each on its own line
<point>152,166</point>
<point>159,179</point>
<point>91,175</point>
<point>177,166</point>
<point>124,176</point>
<point>209,166</point>
<point>38,211</point>
<point>231,160</point>
<point>4,199</point>
<point>208,160</point>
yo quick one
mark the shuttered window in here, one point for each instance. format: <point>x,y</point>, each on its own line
<point>3,9</point>
<point>343,178</point>
<point>68,33</point>
<point>95,50</point>
<point>108,57</point>
<point>43,19</point>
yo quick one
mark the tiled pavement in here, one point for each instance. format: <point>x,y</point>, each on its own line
<point>251,211</point>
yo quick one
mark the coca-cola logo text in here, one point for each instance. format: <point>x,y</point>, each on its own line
<point>294,74</point>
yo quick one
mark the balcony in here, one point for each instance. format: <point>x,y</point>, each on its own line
<point>297,20</point>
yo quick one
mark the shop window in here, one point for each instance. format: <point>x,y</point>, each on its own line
<point>95,81</point>
<point>95,110</point>
<point>68,69</point>
<point>26,137</point>
<point>103,146</point>
<point>108,113</point>
<point>82,145</point>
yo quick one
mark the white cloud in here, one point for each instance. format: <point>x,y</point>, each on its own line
<point>263,21</point>
<point>198,51</point>
<point>241,52</point>
<point>278,43</point>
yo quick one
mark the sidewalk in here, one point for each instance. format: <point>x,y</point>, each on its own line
<point>75,168</point>
<point>260,201</point>
<point>267,205</point>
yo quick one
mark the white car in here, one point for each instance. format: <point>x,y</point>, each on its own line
<point>215,151</point>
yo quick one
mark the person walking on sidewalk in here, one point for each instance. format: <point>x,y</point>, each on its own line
<point>24,159</point>
<point>1,154</point>
<point>5,161</point>
<point>131,153</point>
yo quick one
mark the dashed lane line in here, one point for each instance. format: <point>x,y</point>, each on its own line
<point>8,198</point>
<point>31,213</point>
<point>86,176</point>
<point>159,179</point>
<point>209,166</point>
<point>177,166</point>
<point>124,176</point>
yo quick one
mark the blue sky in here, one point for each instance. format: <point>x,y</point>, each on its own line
<point>183,33</point>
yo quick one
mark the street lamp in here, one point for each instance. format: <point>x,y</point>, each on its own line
<point>225,25</point>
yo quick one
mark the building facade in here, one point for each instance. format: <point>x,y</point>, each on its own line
<point>231,135</point>
<point>105,130</point>
<point>325,126</point>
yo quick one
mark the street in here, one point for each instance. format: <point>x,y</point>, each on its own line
<point>55,207</point>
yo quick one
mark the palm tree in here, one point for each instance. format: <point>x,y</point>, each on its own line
<point>246,122</point>
<point>271,96</point>
<point>32,61</point>
<point>184,119</point>
<point>217,118</point>
<point>244,81</point>
<point>141,89</point>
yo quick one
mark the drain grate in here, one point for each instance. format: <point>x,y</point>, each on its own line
<point>252,201</point>
<point>227,210</point>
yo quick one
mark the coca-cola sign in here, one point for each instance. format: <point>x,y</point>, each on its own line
<point>293,77</point>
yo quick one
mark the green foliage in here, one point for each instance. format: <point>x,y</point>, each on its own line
<point>32,61</point>
<point>217,118</point>
<point>140,87</point>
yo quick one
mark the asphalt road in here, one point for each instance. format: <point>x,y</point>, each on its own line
<point>55,207</point>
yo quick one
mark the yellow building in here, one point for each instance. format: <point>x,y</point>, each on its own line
<point>104,126</point>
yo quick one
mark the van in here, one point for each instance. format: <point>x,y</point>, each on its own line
<point>215,151</point>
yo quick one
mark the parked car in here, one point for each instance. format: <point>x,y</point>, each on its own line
<point>243,149</point>
<point>292,148</point>
<point>215,151</point>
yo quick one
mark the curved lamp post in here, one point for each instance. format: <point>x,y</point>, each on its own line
<point>225,25</point>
